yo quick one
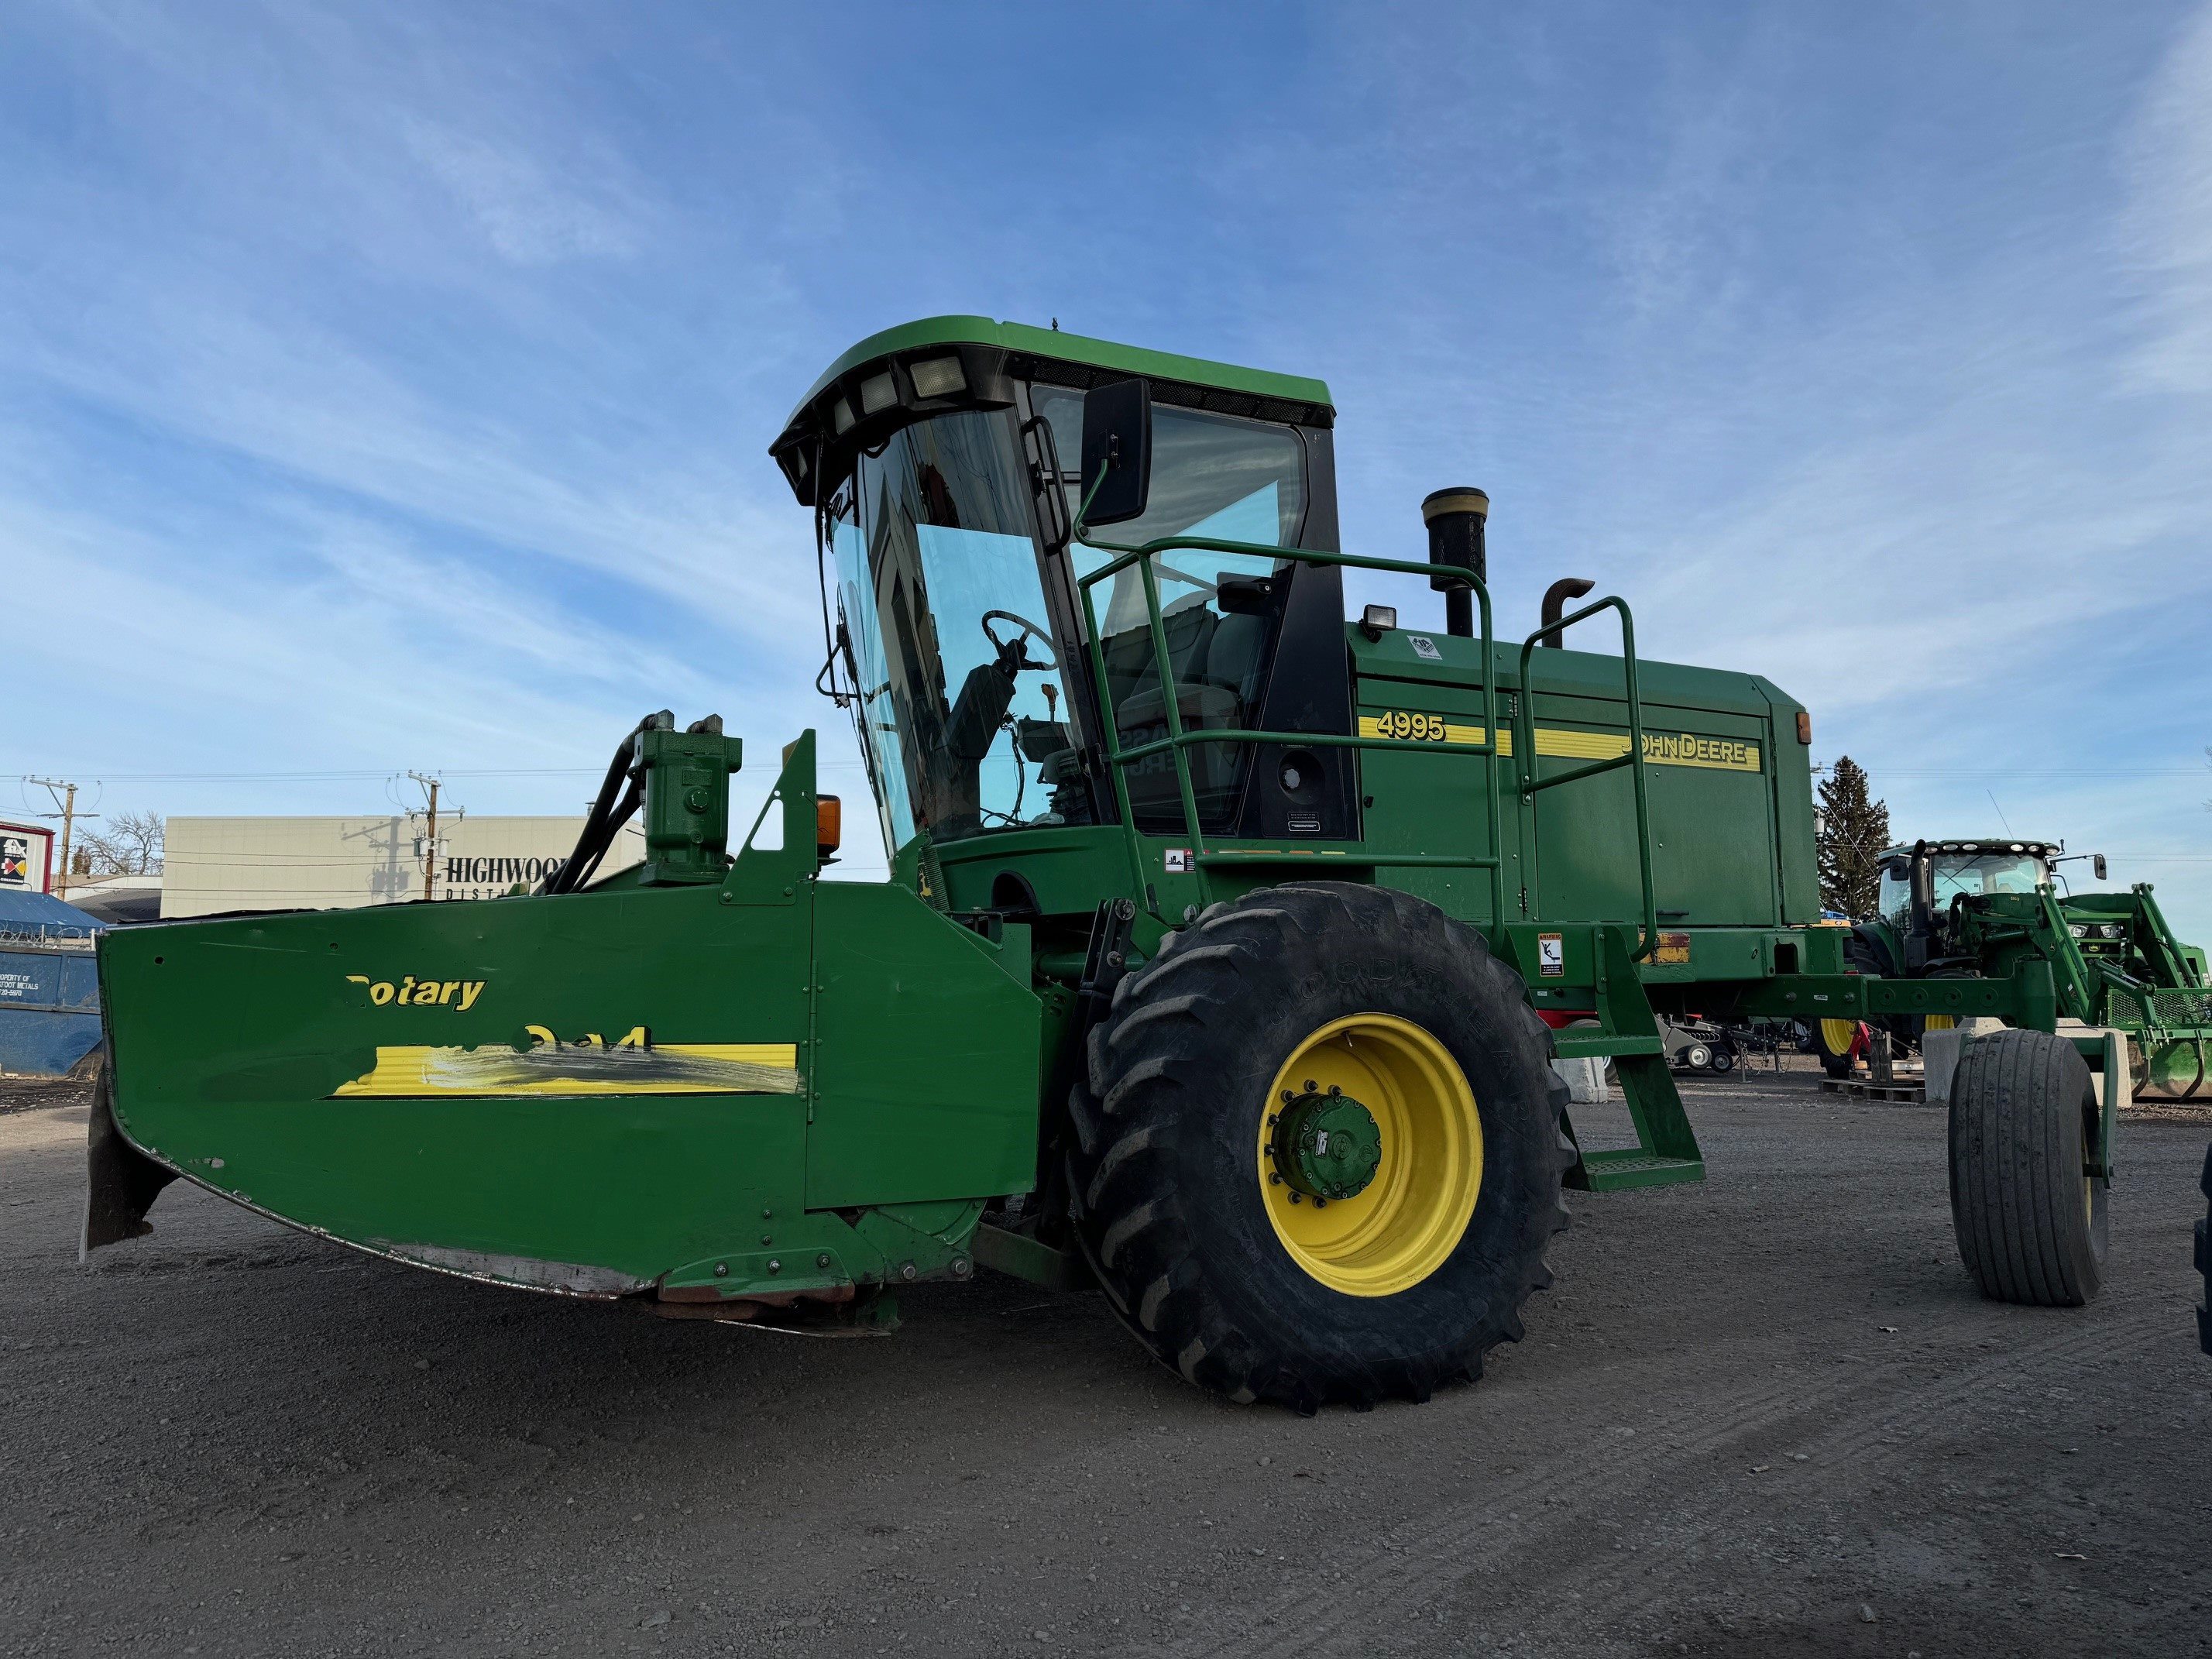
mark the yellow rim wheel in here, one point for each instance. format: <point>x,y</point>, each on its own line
<point>1939,1022</point>
<point>1838,1035</point>
<point>1424,1150</point>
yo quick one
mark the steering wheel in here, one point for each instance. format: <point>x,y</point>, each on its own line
<point>1014,645</point>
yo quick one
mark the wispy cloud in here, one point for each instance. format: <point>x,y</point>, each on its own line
<point>2167,233</point>
<point>524,214</point>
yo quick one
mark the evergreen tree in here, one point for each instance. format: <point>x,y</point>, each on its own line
<point>1854,829</point>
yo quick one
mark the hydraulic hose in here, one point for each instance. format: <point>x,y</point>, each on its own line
<point>614,807</point>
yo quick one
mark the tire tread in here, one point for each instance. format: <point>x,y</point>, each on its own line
<point>1131,1220</point>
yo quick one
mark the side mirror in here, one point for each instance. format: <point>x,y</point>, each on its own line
<point>2097,864</point>
<point>1117,439</point>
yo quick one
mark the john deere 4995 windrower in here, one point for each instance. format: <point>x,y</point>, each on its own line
<point>1225,951</point>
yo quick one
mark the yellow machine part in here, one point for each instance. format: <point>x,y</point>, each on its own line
<point>1413,1214</point>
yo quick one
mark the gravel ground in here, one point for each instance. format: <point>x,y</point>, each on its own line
<point>1765,1415</point>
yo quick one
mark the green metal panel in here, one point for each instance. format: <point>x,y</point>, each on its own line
<point>1791,775</point>
<point>1712,829</point>
<point>1714,826</point>
<point>1070,869</point>
<point>928,1043</point>
<point>232,1039</point>
<point>1427,804</point>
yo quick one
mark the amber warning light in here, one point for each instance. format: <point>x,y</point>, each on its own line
<point>828,824</point>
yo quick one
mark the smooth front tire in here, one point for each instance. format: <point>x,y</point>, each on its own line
<point>1318,1149</point>
<point>2030,1218</point>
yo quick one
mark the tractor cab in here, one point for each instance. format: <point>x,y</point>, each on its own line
<point>942,460</point>
<point>1925,885</point>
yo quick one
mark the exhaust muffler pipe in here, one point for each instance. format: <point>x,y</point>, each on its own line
<point>1555,606</point>
<point>1456,519</point>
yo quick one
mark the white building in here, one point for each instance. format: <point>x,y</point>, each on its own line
<point>215,865</point>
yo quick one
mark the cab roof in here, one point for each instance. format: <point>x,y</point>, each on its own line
<point>834,415</point>
<point>1986,844</point>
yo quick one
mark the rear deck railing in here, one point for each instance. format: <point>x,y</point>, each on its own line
<point>1179,741</point>
<point>1524,744</point>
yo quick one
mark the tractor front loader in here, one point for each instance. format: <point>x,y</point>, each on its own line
<point>1224,953</point>
<point>1982,907</point>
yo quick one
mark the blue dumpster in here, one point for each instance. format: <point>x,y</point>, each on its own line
<point>49,985</point>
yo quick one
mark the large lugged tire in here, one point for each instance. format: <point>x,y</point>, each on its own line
<point>2031,1221</point>
<point>1318,1149</point>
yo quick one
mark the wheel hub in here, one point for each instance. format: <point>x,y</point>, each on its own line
<point>1326,1145</point>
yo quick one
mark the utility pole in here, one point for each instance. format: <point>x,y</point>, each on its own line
<point>430,840</point>
<point>64,795</point>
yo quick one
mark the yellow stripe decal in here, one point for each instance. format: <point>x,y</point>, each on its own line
<point>1659,748</point>
<point>495,1071</point>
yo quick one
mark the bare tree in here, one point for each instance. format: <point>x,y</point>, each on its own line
<point>129,845</point>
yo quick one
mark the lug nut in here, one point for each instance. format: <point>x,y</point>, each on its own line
<point>1274,1180</point>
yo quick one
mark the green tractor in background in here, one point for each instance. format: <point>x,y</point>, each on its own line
<point>1225,951</point>
<point>1978,907</point>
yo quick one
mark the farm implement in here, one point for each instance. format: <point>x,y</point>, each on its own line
<point>1224,953</point>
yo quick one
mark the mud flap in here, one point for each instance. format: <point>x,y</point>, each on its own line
<point>122,1182</point>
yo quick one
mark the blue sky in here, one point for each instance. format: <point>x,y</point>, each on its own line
<point>388,387</point>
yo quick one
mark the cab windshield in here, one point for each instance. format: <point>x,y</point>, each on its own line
<point>963,709</point>
<point>1228,478</point>
<point>1953,874</point>
<point>962,702</point>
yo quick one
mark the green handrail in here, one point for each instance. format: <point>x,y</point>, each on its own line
<point>1178,741</point>
<point>1524,744</point>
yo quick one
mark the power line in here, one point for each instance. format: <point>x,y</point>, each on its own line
<point>64,798</point>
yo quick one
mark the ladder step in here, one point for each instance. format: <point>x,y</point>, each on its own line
<point>1597,1047</point>
<point>1613,1171</point>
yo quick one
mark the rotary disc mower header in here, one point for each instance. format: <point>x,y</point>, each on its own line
<point>1224,956</point>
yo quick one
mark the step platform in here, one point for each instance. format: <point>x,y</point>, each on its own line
<point>1632,1166</point>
